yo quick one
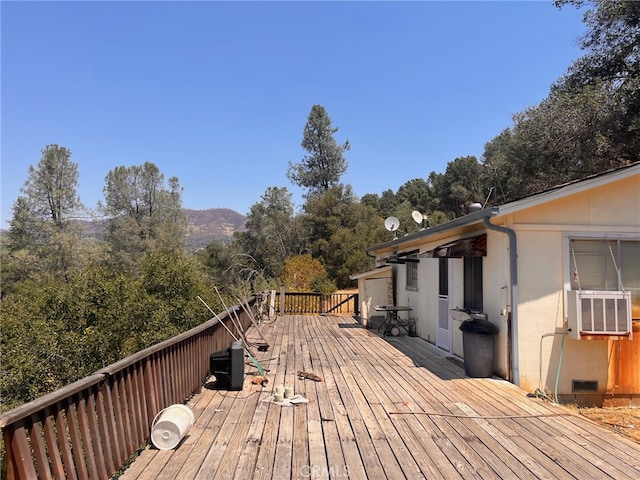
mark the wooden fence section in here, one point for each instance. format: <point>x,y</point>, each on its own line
<point>318,303</point>
<point>90,428</point>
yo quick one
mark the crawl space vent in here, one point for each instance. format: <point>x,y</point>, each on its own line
<point>584,386</point>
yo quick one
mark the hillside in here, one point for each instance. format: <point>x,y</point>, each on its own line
<point>213,224</point>
<point>204,226</point>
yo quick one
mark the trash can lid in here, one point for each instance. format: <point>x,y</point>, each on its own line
<point>479,326</point>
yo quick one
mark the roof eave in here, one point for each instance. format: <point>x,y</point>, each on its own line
<point>469,219</point>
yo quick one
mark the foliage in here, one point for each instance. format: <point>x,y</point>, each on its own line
<point>417,193</point>
<point>339,230</point>
<point>41,229</point>
<point>175,280</point>
<point>144,214</point>
<point>590,122</point>
<point>611,43</point>
<point>610,67</point>
<point>302,273</point>
<point>270,235</point>
<point>55,332</point>
<point>51,186</point>
<point>324,163</point>
<point>68,308</point>
<point>22,226</point>
<point>459,186</point>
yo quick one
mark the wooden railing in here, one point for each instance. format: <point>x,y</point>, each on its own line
<point>90,428</point>
<point>307,303</point>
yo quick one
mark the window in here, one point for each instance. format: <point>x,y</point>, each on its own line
<point>412,272</point>
<point>606,265</point>
<point>473,284</point>
<point>443,277</point>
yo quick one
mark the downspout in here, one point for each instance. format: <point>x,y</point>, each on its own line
<point>513,261</point>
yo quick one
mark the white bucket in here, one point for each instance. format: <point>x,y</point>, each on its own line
<point>172,425</point>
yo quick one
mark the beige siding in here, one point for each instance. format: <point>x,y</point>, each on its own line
<point>542,271</point>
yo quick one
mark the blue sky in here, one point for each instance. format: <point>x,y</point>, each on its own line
<point>218,93</point>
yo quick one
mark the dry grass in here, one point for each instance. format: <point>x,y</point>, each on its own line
<point>622,420</point>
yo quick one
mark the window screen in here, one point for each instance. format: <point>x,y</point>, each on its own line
<point>412,273</point>
<point>606,264</point>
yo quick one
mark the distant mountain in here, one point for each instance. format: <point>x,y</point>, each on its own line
<point>213,224</point>
<point>204,227</point>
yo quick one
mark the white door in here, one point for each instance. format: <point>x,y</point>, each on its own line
<point>443,331</point>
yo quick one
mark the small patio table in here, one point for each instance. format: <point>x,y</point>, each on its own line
<point>391,321</point>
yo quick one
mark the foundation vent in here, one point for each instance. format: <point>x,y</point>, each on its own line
<point>584,386</point>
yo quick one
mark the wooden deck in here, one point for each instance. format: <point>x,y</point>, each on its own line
<point>388,408</point>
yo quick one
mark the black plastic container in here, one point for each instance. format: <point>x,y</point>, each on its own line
<point>477,343</point>
<point>228,367</point>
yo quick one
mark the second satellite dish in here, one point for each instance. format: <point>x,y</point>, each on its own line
<point>419,217</point>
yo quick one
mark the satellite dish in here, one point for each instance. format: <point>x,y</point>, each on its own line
<point>474,207</point>
<point>417,216</point>
<point>391,224</point>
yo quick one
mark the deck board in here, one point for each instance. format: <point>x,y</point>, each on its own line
<point>388,408</point>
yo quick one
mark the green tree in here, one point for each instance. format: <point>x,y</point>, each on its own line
<point>22,226</point>
<point>500,167</point>
<point>270,236</point>
<point>459,186</point>
<point>388,203</point>
<point>175,279</point>
<point>55,332</point>
<point>340,229</point>
<point>611,45</point>
<point>51,186</point>
<point>41,225</point>
<point>610,66</point>
<point>417,193</point>
<point>303,273</point>
<point>371,200</point>
<point>17,257</point>
<point>324,163</point>
<point>589,123</point>
<point>144,213</point>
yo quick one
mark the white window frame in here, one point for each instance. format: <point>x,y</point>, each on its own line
<point>568,270</point>
<point>569,264</point>
<point>411,273</point>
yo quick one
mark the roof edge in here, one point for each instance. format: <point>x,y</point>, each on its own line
<point>468,219</point>
<point>573,187</point>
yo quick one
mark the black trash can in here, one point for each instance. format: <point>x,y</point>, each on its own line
<point>477,345</point>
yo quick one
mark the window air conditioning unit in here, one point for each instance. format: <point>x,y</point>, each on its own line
<point>598,314</point>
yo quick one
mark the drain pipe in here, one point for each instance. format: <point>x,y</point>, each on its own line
<point>513,260</point>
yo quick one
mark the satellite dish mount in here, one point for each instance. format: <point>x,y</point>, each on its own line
<point>419,218</point>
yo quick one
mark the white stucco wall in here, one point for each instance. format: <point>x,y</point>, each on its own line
<point>497,296</point>
<point>374,288</point>
<point>543,269</point>
<point>542,225</point>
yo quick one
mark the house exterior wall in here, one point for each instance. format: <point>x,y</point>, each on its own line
<point>423,307</point>
<point>546,358</point>
<point>374,288</point>
<point>497,297</point>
